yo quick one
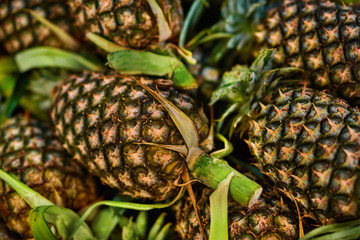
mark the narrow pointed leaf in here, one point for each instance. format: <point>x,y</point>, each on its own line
<point>163,232</point>
<point>64,37</point>
<point>185,125</point>
<point>104,44</point>
<point>141,223</point>
<point>219,210</point>
<point>33,198</point>
<point>127,205</point>
<point>18,90</point>
<point>39,57</point>
<point>156,227</point>
<point>104,223</point>
<point>164,29</point>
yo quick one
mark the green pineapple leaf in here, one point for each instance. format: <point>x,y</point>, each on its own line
<point>141,222</point>
<point>18,90</point>
<point>39,57</point>
<point>343,231</point>
<point>126,205</point>
<point>104,223</point>
<point>69,41</point>
<point>39,228</point>
<point>148,63</point>
<point>104,44</point>
<point>219,210</point>
<point>156,228</point>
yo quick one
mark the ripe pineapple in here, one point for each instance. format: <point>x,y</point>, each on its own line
<point>127,23</point>
<point>29,152</point>
<point>114,127</point>
<point>319,36</point>
<point>305,140</point>
<point>19,30</point>
<point>267,219</point>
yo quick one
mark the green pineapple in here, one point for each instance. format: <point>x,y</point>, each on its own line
<point>114,127</point>
<point>321,37</point>
<point>29,151</point>
<point>127,23</point>
<point>266,220</point>
<point>306,141</point>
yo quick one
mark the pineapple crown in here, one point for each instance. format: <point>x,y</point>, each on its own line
<point>240,19</point>
<point>243,86</point>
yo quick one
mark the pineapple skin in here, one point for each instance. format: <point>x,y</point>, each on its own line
<point>105,121</point>
<point>29,151</point>
<point>307,142</point>
<point>321,37</point>
<point>19,30</point>
<point>265,220</point>
<point>127,23</point>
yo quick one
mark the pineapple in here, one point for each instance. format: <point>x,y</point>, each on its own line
<point>305,140</point>
<point>128,23</point>
<point>267,219</point>
<point>117,130</point>
<point>321,37</point>
<point>19,30</point>
<point>29,151</point>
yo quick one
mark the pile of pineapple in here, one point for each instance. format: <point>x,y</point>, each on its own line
<point>234,119</point>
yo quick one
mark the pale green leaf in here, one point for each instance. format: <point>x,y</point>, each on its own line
<point>219,210</point>
<point>33,198</point>
<point>263,62</point>
<point>39,228</point>
<point>104,223</point>
<point>141,222</point>
<point>38,57</point>
<point>164,29</point>
<point>156,227</point>
<point>104,44</point>
<point>64,37</point>
<point>163,232</point>
<point>140,62</point>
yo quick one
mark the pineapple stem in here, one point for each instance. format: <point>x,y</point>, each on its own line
<point>211,171</point>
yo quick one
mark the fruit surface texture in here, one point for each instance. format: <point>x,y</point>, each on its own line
<point>264,220</point>
<point>127,23</point>
<point>29,151</point>
<point>321,37</point>
<point>308,142</point>
<point>114,127</point>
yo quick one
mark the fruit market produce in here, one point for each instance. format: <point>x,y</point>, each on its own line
<point>267,219</point>
<point>29,151</point>
<point>321,37</point>
<point>132,24</point>
<point>305,140</point>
